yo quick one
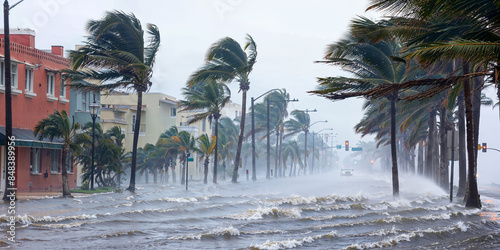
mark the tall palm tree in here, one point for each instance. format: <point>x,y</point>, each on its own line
<point>116,51</point>
<point>58,125</point>
<point>372,64</point>
<point>301,122</point>
<point>227,61</point>
<point>206,147</point>
<point>211,97</point>
<point>477,44</point>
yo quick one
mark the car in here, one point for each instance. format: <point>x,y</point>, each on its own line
<point>346,172</point>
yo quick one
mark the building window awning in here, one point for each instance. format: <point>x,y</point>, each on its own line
<point>52,70</point>
<point>25,138</point>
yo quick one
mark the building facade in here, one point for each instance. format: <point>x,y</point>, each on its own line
<point>37,90</point>
<point>158,115</point>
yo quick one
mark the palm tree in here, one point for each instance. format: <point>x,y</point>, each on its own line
<point>185,143</point>
<point>115,51</point>
<point>301,122</point>
<point>292,151</point>
<point>372,64</point>
<point>477,44</point>
<point>206,148</point>
<point>169,147</point>
<point>211,97</point>
<point>58,125</point>
<point>227,61</point>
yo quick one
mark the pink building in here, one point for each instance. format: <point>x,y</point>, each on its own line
<point>36,92</point>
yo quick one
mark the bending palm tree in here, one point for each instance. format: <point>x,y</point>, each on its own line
<point>206,148</point>
<point>58,125</point>
<point>212,97</point>
<point>116,51</point>
<point>372,64</point>
<point>300,123</point>
<point>227,61</point>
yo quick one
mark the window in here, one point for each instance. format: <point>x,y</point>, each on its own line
<point>84,101</point>
<point>35,161</point>
<point>2,68</point>
<point>13,75</point>
<point>50,84</point>
<point>203,124</point>
<point>62,92</point>
<point>173,111</point>
<point>29,80</point>
<point>54,162</point>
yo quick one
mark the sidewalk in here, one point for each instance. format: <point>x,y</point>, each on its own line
<point>40,195</point>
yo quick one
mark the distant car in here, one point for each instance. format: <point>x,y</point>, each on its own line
<point>346,172</point>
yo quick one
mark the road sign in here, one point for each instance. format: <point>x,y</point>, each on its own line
<point>339,146</point>
<point>357,149</point>
<point>190,159</point>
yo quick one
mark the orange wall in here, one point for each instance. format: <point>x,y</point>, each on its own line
<point>26,112</point>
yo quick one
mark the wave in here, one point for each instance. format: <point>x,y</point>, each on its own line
<point>259,213</point>
<point>28,219</point>
<point>121,233</point>
<point>292,243</point>
<point>329,199</point>
<point>227,232</point>
<point>408,235</point>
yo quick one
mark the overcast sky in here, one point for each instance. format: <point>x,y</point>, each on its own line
<point>290,36</point>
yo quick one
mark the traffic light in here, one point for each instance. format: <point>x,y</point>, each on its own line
<point>346,145</point>
<point>484,147</point>
<point>326,136</point>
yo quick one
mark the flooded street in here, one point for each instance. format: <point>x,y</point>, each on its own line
<point>324,211</point>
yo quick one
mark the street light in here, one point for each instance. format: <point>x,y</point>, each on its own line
<point>93,113</point>
<point>312,168</point>
<point>269,138</point>
<point>254,172</point>
<point>9,185</point>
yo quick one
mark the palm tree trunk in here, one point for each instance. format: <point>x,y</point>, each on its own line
<point>281,162</point>
<point>430,145</point>
<point>64,172</point>
<point>205,168</point>
<point>472,194</point>
<point>420,156</point>
<point>276,171</point>
<point>305,152</point>
<point>133,166</point>
<point>395,178</point>
<point>242,131</point>
<point>476,107</point>
<point>462,161</point>
<point>443,165</point>
<point>216,154</point>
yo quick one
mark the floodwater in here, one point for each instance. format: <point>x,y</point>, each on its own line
<point>323,211</point>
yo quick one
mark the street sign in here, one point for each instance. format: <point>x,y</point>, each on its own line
<point>339,146</point>
<point>190,159</point>
<point>357,149</point>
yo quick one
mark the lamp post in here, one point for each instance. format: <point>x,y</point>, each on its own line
<point>93,113</point>
<point>312,167</point>
<point>9,139</point>
<point>187,168</point>
<point>269,138</point>
<point>254,171</point>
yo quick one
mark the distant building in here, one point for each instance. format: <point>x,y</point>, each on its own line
<point>37,90</point>
<point>79,110</point>
<point>158,115</point>
<point>232,110</point>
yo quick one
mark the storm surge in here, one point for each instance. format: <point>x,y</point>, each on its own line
<point>315,211</point>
